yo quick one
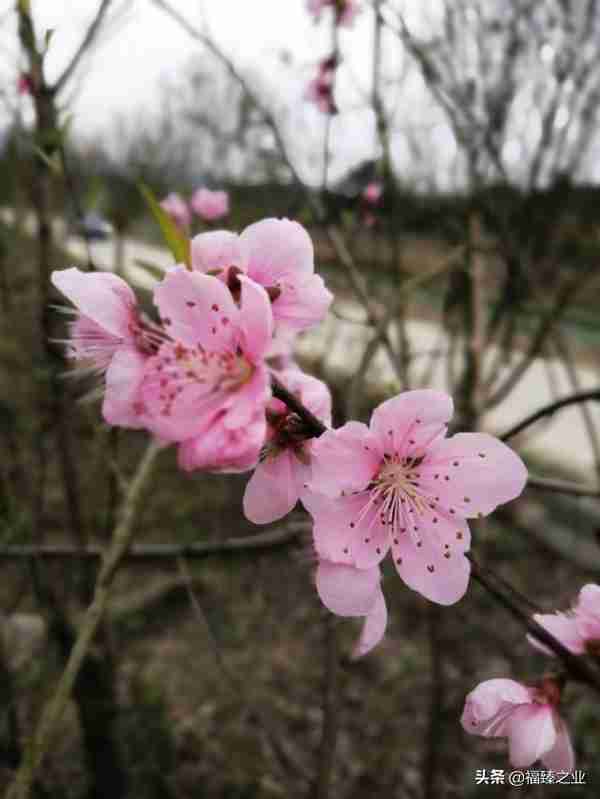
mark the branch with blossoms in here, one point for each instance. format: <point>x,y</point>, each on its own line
<point>213,374</point>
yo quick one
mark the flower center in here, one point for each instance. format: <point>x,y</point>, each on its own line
<point>182,367</point>
<point>396,489</point>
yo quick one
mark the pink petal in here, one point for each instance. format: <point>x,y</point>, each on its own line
<point>373,628</point>
<point>589,600</point>
<point>408,422</point>
<point>587,611</point>
<point>250,398</point>
<point>531,734</point>
<point>122,404</point>
<point>277,250</point>
<point>216,250</point>
<point>489,706</point>
<point>256,319</point>
<point>104,298</point>
<point>343,533</point>
<point>344,459</point>
<point>561,757</point>
<point>273,489</point>
<point>564,627</point>
<point>197,310</point>
<point>222,450</point>
<point>472,473</point>
<point>346,591</point>
<point>430,559</point>
<point>303,305</point>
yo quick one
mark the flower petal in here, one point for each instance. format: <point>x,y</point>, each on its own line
<point>344,533</point>
<point>408,422</point>
<point>489,706</point>
<point>346,591</point>
<point>531,734</point>
<point>219,449</point>
<point>303,305</point>
<point>276,250</point>
<point>216,250</point>
<point>272,491</point>
<point>256,319</point>
<point>430,559</point>
<point>104,298</point>
<point>561,757</point>
<point>373,628</point>
<point>344,459</point>
<point>197,310</point>
<point>472,473</point>
<point>122,404</point>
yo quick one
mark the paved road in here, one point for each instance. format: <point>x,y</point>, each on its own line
<point>563,440</point>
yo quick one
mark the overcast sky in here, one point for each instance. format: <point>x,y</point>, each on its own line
<point>142,47</point>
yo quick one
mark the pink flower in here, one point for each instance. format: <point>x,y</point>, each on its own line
<point>280,478</point>
<point>320,89</point>
<point>345,10</point>
<point>402,484</point>
<point>527,716</point>
<point>210,205</point>
<point>207,385</point>
<point>372,193</point>
<point>579,628</point>
<point>278,255</point>
<point>24,84</point>
<point>178,210</point>
<point>109,336</point>
<point>347,591</point>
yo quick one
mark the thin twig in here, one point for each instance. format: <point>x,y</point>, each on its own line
<point>288,760</point>
<point>547,410</point>
<point>86,43</point>
<point>577,666</point>
<point>561,487</point>
<point>160,552</point>
<point>39,742</point>
<point>316,427</point>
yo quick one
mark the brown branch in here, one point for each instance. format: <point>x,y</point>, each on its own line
<point>315,427</point>
<point>547,410</point>
<point>561,487</point>
<point>577,666</point>
<point>159,552</point>
<point>86,43</point>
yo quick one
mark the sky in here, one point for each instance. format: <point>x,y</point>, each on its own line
<point>141,49</point>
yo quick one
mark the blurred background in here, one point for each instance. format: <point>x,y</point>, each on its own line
<point>447,172</point>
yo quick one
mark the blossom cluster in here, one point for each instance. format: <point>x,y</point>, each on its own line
<point>199,376</point>
<point>206,204</point>
<point>213,373</point>
<point>528,715</point>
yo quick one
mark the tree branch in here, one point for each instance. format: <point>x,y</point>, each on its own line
<point>547,410</point>
<point>86,42</point>
<point>39,742</point>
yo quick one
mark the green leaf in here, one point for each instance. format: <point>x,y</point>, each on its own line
<point>49,33</point>
<point>177,242</point>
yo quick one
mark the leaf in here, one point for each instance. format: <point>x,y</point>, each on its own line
<point>49,33</point>
<point>177,242</point>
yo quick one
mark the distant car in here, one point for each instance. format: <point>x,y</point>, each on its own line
<point>93,227</point>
